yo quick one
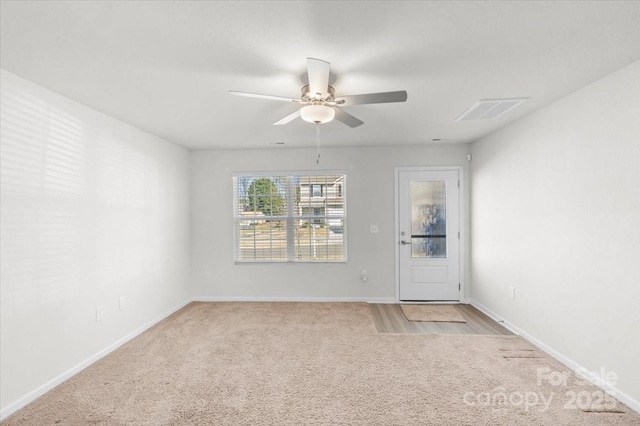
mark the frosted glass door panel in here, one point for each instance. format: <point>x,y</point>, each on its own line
<point>428,218</point>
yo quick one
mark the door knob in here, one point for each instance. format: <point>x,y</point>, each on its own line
<point>404,243</point>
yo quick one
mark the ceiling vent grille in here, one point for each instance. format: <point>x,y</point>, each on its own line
<point>488,109</point>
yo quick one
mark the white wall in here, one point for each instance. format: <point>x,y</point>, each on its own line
<point>92,210</point>
<point>370,201</point>
<point>556,214</point>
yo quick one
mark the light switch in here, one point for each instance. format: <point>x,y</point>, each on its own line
<point>374,229</point>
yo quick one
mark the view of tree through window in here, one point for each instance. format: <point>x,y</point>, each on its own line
<point>263,196</point>
<point>289,217</point>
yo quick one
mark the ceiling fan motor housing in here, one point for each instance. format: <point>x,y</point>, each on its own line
<point>307,96</point>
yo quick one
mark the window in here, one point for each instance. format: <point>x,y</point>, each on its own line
<point>289,217</point>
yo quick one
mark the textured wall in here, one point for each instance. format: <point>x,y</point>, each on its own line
<point>92,210</point>
<point>556,214</point>
<point>370,201</point>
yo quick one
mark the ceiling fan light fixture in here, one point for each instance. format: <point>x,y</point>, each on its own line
<point>317,114</point>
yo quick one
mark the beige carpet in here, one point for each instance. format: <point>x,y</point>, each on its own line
<point>432,313</point>
<point>311,364</point>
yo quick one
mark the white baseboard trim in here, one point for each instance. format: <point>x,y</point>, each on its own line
<point>392,300</point>
<point>36,393</point>
<point>291,299</point>
<point>594,378</point>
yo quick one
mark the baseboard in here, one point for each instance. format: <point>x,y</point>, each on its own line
<point>631,402</point>
<point>385,300</point>
<point>291,299</point>
<point>36,393</point>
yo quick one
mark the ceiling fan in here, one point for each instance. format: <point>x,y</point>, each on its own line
<point>319,102</point>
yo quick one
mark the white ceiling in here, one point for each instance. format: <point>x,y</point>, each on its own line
<point>166,67</point>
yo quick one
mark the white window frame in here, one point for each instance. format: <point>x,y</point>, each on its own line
<point>290,217</point>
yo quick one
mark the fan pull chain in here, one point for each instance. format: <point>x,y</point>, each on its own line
<point>318,143</point>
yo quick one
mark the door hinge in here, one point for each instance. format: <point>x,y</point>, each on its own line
<point>458,234</point>
<point>459,287</point>
<point>458,183</point>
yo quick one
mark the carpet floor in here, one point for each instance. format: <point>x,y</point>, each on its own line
<point>317,364</point>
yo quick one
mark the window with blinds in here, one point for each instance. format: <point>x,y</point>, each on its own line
<point>284,217</point>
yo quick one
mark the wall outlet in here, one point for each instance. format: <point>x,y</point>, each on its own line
<point>207,275</point>
<point>374,229</point>
<point>512,292</point>
<point>99,313</point>
<point>364,276</point>
<point>122,303</point>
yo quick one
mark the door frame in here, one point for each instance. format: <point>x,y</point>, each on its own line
<point>461,215</point>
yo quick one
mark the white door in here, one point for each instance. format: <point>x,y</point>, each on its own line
<point>429,235</point>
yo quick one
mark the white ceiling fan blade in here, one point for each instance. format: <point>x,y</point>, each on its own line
<point>258,95</point>
<point>318,72</point>
<point>372,98</point>
<point>288,118</point>
<point>347,118</point>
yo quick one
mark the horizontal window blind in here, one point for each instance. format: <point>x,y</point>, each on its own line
<point>285,217</point>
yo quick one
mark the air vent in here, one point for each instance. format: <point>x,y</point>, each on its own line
<point>488,109</point>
